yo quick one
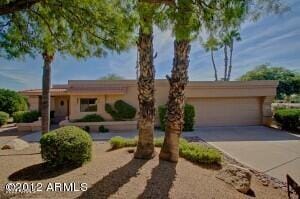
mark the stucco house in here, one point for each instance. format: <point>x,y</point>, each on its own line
<point>217,103</point>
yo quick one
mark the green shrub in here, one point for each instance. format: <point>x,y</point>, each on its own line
<point>162,111</point>
<point>26,116</point>
<point>66,146</point>
<point>110,110</point>
<point>198,153</point>
<point>121,110</point>
<point>11,101</point>
<point>120,142</point>
<point>193,152</point>
<point>102,129</point>
<point>289,119</point>
<point>91,118</point>
<point>189,116</point>
<point>86,128</point>
<point>3,118</point>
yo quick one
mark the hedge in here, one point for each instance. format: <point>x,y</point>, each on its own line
<point>11,101</point>
<point>3,118</point>
<point>289,119</point>
<point>189,117</point>
<point>193,152</point>
<point>91,118</point>
<point>121,111</point>
<point>26,116</point>
<point>66,146</point>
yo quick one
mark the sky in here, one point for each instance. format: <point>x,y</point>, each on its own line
<point>274,39</point>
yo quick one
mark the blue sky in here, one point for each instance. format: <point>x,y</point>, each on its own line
<point>272,39</point>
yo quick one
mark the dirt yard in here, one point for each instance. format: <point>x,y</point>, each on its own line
<point>115,174</point>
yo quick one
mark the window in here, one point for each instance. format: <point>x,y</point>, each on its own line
<point>88,105</point>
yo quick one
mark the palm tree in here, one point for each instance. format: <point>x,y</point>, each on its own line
<point>211,45</point>
<point>233,35</point>
<point>146,77</point>
<point>181,13</point>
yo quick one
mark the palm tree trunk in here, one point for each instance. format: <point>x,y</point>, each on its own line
<point>214,65</point>
<point>230,61</point>
<point>145,146</point>
<point>48,58</point>
<point>178,81</point>
<point>225,62</point>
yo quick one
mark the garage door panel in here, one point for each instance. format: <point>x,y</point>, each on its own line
<point>227,111</point>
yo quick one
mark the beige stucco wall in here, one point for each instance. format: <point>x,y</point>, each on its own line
<point>250,94</point>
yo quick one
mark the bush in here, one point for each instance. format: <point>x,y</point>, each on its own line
<point>11,101</point>
<point>66,146</point>
<point>189,115</point>
<point>91,118</point>
<point>3,118</point>
<point>193,152</point>
<point>86,128</point>
<point>26,116</point>
<point>198,153</point>
<point>289,119</point>
<point>102,129</point>
<point>121,110</point>
<point>120,142</point>
<point>162,111</point>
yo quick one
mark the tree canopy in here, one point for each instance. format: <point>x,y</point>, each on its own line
<point>80,28</point>
<point>289,81</point>
<point>111,77</point>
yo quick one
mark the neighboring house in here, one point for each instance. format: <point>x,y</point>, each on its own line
<point>216,103</point>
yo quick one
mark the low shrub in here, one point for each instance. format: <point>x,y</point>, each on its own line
<point>26,116</point>
<point>120,142</point>
<point>289,119</point>
<point>189,116</point>
<point>198,153</point>
<point>91,118</point>
<point>121,110</point>
<point>66,146</point>
<point>86,128</point>
<point>102,129</point>
<point>3,118</point>
<point>193,152</point>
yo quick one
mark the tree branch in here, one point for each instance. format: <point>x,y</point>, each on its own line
<point>16,5</point>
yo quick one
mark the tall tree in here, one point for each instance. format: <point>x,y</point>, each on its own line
<point>228,43</point>
<point>188,17</point>
<point>212,45</point>
<point>78,28</point>
<point>233,35</point>
<point>150,13</point>
<point>186,26</point>
<point>145,146</point>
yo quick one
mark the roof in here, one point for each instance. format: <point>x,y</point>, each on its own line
<point>53,91</point>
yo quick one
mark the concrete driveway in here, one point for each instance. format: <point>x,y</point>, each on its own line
<point>268,150</point>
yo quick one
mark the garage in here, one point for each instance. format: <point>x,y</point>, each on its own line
<point>227,111</point>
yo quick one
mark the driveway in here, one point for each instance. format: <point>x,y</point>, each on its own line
<point>267,150</point>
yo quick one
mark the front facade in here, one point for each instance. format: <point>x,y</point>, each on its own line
<point>216,103</point>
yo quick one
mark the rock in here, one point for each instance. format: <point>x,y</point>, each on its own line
<point>238,177</point>
<point>16,144</point>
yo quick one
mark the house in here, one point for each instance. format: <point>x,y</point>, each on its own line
<point>216,103</point>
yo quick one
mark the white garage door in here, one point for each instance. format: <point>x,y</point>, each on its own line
<point>227,111</point>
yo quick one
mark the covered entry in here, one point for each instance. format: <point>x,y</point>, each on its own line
<point>230,111</point>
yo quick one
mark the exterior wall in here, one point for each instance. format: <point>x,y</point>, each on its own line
<point>107,92</point>
<point>33,103</point>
